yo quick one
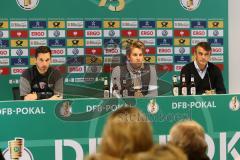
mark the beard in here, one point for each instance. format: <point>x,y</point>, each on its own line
<point>43,69</point>
<point>136,65</point>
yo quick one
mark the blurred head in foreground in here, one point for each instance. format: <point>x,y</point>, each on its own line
<point>189,135</point>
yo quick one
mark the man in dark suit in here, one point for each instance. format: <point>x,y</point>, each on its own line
<point>207,76</point>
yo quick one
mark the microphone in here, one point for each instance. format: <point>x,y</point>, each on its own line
<point>209,80</point>
<point>212,91</point>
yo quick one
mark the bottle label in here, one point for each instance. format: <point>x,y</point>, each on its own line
<point>125,93</point>
<point>175,91</point>
<point>106,94</point>
<point>115,93</point>
<point>184,91</point>
<point>193,91</point>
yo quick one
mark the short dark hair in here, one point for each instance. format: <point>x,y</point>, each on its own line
<point>43,49</point>
<point>135,44</point>
<point>205,45</point>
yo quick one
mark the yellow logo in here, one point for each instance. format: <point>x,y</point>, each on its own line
<point>149,59</point>
<point>3,24</point>
<point>164,24</point>
<point>56,24</point>
<point>111,24</point>
<point>182,41</point>
<point>93,60</point>
<point>75,42</point>
<point>19,43</point>
<point>215,24</point>
<point>32,61</point>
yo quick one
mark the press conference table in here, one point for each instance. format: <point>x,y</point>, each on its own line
<point>71,128</point>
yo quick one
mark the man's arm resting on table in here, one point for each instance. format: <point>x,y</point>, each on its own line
<point>25,90</point>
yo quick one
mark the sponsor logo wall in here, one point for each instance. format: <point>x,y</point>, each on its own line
<point>89,48</point>
<point>96,42</point>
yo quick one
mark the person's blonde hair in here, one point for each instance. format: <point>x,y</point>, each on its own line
<point>127,131</point>
<point>131,44</point>
<point>189,135</point>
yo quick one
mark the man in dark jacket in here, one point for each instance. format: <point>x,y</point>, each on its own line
<point>41,81</point>
<point>207,76</point>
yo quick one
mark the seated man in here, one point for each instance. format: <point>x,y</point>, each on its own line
<point>41,81</point>
<point>207,76</point>
<point>136,78</point>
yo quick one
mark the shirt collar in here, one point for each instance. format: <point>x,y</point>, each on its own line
<point>200,72</point>
<point>198,69</point>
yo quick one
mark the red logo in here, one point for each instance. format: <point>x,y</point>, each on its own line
<point>61,69</point>
<point>75,69</point>
<point>93,33</point>
<point>107,68</point>
<point>165,67</point>
<point>95,51</point>
<point>58,51</point>
<point>19,34</point>
<point>150,50</point>
<point>37,34</point>
<point>178,67</point>
<point>112,51</point>
<point>4,71</point>
<point>4,52</point>
<point>149,33</point>
<point>217,50</point>
<point>32,52</point>
<point>193,50</point>
<point>75,33</point>
<point>165,50</point>
<point>18,70</point>
<point>181,33</point>
<point>129,33</point>
<point>198,33</point>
